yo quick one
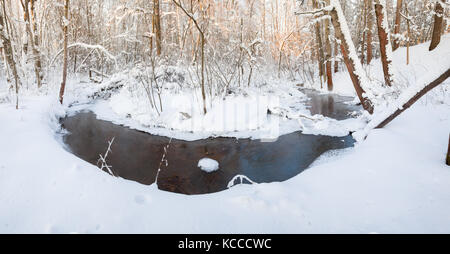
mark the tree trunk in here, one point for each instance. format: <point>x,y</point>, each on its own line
<point>8,50</point>
<point>437,27</point>
<point>328,53</point>
<point>354,66</point>
<point>320,55</point>
<point>385,45</point>
<point>336,62</point>
<point>416,97</point>
<point>203,71</point>
<point>202,49</point>
<point>395,43</point>
<point>30,21</point>
<point>65,24</point>
<point>157,26</point>
<point>447,161</point>
<point>369,31</point>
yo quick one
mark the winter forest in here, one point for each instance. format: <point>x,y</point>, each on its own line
<point>224,116</point>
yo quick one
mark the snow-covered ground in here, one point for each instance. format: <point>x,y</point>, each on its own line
<point>395,181</point>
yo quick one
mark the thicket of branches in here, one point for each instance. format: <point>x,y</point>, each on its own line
<point>235,38</point>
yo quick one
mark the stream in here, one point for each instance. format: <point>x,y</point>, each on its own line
<point>136,155</point>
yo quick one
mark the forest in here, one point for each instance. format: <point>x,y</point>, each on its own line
<point>247,109</point>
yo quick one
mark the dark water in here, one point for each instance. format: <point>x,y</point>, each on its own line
<point>330,105</point>
<point>137,155</point>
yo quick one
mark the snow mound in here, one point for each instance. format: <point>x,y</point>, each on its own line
<point>208,165</point>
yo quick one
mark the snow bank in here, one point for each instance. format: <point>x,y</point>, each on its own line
<point>394,182</point>
<point>208,165</point>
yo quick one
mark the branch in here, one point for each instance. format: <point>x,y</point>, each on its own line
<point>415,98</point>
<point>84,45</point>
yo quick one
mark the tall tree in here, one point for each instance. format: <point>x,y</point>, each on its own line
<point>437,27</point>
<point>65,28</point>
<point>202,48</point>
<point>369,30</point>
<point>157,26</point>
<point>328,53</point>
<point>8,49</point>
<point>31,29</point>
<point>320,54</point>
<point>385,44</point>
<point>395,43</point>
<point>353,64</point>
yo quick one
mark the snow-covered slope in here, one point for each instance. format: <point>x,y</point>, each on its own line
<point>395,181</point>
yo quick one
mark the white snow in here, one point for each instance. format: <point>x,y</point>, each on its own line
<point>394,181</point>
<point>208,165</point>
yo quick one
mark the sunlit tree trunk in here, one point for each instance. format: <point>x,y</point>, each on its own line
<point>353,64</point>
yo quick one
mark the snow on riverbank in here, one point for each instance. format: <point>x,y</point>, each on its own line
<point>395,181</point>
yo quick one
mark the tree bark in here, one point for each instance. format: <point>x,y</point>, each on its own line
<point>328,53</point>
<point>30,23</point>
<point>385,45</point>
<point>437,27</point>
<point>320,55</point>
<point>395,43</point>
<point>63,83</point>
<point>447,161</point>
<point>369,31</point>
<point>354,67</point>
<point>336,62</point>
<point>157,26</point>
<point>8,50</point>
<point>415,98</point>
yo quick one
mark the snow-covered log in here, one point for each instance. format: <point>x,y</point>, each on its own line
<point>409,102</point>
<point>354,66</point>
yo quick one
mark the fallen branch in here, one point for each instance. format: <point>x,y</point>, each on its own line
<point>415,98</point>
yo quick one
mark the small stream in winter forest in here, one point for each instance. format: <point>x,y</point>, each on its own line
<point>137,155</point>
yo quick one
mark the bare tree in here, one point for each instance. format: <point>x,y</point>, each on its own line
<point>31,29</point>
<point>395,43</point>
<point>65,28</point>
<point>328,53</point>
<point>8,49</point>
<point>354,67</point>
<point>342,33</point>
<point>383,36</point>
<point>157,26</point>
<point>437,27</point>
<point>202,48</point>
<point>369,30</point>
<point>320,54</point>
